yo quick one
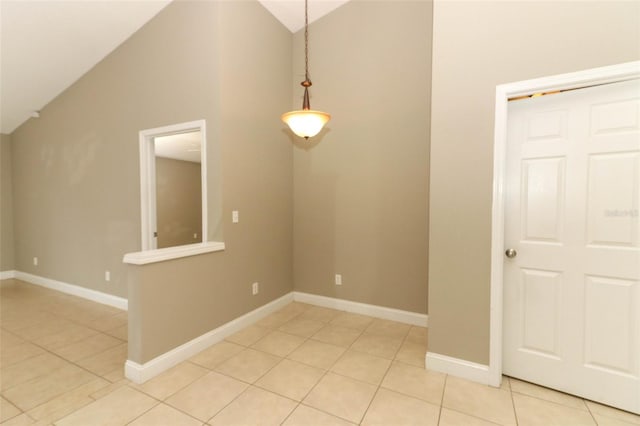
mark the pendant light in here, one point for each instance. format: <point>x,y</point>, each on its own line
<point>306,123</point>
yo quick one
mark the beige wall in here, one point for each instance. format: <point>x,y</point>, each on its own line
<point>6,206</point>
<point>361,190</point>
<point>76,170</point>
<point>174,302</point>
<point>476,46</point>
<point>178,202</point>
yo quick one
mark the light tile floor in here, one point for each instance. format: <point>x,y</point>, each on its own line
<point>62,363</point>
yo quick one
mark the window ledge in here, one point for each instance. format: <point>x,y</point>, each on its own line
<point>169,253</point>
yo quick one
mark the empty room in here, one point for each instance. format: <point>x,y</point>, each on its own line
<point>319,212</point>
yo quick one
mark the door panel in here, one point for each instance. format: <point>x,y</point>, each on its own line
<point>572,294</point>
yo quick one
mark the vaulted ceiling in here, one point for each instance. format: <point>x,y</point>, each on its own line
<point>47,45</point>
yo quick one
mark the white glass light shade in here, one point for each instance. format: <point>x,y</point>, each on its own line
<point>306,123</point>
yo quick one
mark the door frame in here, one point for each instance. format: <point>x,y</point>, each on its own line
<point>574,80</point>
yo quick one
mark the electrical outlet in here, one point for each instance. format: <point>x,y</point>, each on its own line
<point>195,235</point>
<point>255,288</point>
<point>35,261</point>
<point>338,279</point>
<point>107,276</point>
<point>235,217</point>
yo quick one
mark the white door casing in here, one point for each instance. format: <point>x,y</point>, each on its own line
<point>572,293</point>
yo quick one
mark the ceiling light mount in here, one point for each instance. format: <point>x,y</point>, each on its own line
<point>306,123</point>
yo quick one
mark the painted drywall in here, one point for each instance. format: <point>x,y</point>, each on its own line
<point>76,168</point>
<point>361,187</point>
<point>476,46</point>
<point>179,202</point>
<point>6,206</point>
<point>173,302</point>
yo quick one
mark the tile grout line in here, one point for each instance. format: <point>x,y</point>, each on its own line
<point>444,389</point>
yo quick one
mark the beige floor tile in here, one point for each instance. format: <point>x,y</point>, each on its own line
<point>479,401</point>
<point>87,347</point>
<point>291,379</point>
<point>391,408</point>
<point>29,369</point>
<point>248,366</point>
<point>393,329</point>
<point>412,353</point>
<point>117,408</point>
<point>67,403</point>
<point>107,361</point>
<point>307,416</point>
<point>361,366</point>
<point>165,415</point>
<point>172,380</point>
<point>337,335</point>
<point>318,313</point>
<point>7,410</point>
<point>610,421</point>
<point>417,335</point>
<point>121,332</point>
<point>248,336</point>
<point>21,420</point>
<point>278,343</point>
<point>301,327</point>
<point>453,418</point>
<point>349,320</point>
<point>217,354</point>
<point>30,394</point>
<point>255,407</point>
<point>207,396</point>
<point>382,346</point>
<point>109,323</point>
<point>111,387</point>
<point>42,326</point>
<point>547,394</point>
<point>613,413</point>
<point>276,319</point>
<point>317,354</point>
<point>536,412</point>
<point>415,381</point>
<point>15,353</point>
<point>295,308</point>
<point>115,375</point>
<point>71,334</point>
<point>341,396</point>
<point>506,383</point>
<point>8,339</point>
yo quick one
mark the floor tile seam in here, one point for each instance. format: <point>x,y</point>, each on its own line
<point>364,414</point>
<point>290,413</point>
<point>14,406</point>
<point>470,415</point>
<point>557,403</point>
<point>138,387</point>
<point>163,402</point>
<point>47,373</point>
<point>120,342</point>
<point>409,395</point>
<point>444,387</point>
<point>75,363</point>
<point>513,405</point>
<point>53,397</point>
<point>326,412</point>
<point>554,402</point>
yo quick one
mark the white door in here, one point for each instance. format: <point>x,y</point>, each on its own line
<point>572,290</point>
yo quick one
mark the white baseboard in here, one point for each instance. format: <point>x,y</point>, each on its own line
<point>398,315</point>
<point>75,290</point>
<point>458,367</point>
<point>7,275</point>
<point>140,373</point>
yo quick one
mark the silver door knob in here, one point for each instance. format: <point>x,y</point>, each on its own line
<point>511,253</point>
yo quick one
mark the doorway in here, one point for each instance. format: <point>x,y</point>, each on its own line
<point>558,327</point>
